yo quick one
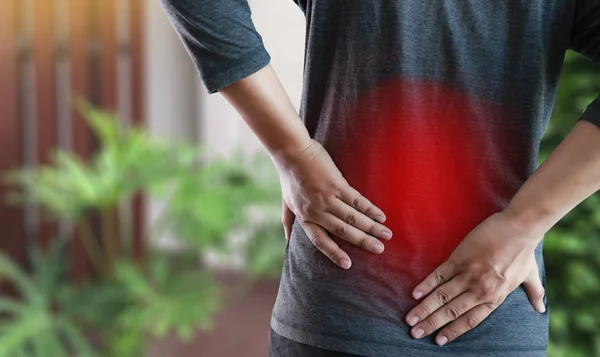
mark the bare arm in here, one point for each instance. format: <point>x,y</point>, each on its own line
<point>569,175</point>
<point>266,108</point>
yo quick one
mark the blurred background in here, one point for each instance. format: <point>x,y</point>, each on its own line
<point>139,215</point>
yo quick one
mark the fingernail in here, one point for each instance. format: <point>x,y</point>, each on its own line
<point>413,320</point>
<point>542,308</point>
<point>377,248</point>
<point>441,340</point>
<point>380,218</point>
<point>386,235</point>
<point>418,333</point>
<point>345,263</point>
<point>418,295</point>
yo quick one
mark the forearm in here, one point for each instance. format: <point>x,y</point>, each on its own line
<point>569,175</point>
<point>263,103</point>
<point>230,55</point>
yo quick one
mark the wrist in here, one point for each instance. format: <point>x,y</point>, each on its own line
<point>285,154</point>
<point>531,221</point>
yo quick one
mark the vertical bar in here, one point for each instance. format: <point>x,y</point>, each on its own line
<point>125,213</point>
<point>108,55</point>
<point>79,32</point>
<point>105,95</point>
<point>62,75</point>
<point>44,65</point>
<point>11,217</point>
<point>27,108</point>
<point>123,62</point>
<point>79,74</point>
<point>136,45</point>
<point>63,114</point>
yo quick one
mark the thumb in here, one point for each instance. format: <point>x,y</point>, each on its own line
<point>535,290</point>
<point>287,218</point>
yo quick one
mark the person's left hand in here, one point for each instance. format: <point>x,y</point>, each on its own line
<point>492,261</point>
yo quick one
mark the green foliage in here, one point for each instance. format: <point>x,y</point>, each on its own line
<point>129,301</point>
<point>225,187</point>
<point>572,247</point>
<point>168,303</point>
<point>159,302</point>
<point>123,311</point>
<point>35,325</point>
<point>128,161</point>
<point>265,252</point>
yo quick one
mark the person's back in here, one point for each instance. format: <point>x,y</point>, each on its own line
<point>434,110</point>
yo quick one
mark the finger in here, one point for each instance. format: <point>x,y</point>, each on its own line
<point>464,323</point>
<point>321,240</point>
<point>444,315</point>
<point>354,199</point>
<point>434,301</point>
<point>350,234</point>
<point>287,218</point>
<point>535,291</point>
<point>439,276</point>
<point>359,220</point>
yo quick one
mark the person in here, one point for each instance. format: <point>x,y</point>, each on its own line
<point>419,120</point>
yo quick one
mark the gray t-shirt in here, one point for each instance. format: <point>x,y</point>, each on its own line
<point>434,110</point>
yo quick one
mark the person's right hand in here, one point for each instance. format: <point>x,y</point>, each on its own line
<point>313,188</point>
<point>317,195</point>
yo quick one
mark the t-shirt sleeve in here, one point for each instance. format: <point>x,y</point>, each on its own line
<point>585,39</point>
<point>220,37</point>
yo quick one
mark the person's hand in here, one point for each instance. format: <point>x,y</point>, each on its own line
<point>492,261</point>
<point>317,195</point>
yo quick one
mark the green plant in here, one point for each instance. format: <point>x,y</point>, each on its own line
<point>129,301</point>
<point>36,325</point>
<point>153,304</point>
<point>265,252</point>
